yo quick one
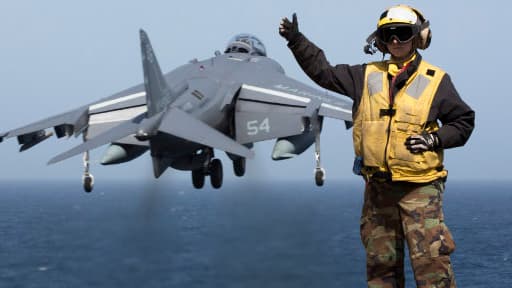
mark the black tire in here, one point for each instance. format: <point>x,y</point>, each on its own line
<point>239,166</point>
<point>198,178</point>
<point>319,178</point>
<point>88,184</point>
<point>216,173</point>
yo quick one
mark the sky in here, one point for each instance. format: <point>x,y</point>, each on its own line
<point>58,55</point>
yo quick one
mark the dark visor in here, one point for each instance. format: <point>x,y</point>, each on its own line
<point>401,33</point>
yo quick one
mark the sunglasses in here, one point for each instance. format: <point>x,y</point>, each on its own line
<point>401,33</point>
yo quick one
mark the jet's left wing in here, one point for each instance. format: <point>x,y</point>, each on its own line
<point>281,107</point>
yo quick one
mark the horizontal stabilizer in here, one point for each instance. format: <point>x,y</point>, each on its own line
<point>196,131</point>
<point>111,135</point>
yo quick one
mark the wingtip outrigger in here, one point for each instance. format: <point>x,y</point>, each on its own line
<point>87,178</point>
<point>319,171</point>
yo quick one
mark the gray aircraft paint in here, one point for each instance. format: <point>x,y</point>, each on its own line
<point>226,102</point>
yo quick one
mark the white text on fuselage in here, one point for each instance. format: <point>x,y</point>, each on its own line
<point>302,93</point>
<point>307,94</point>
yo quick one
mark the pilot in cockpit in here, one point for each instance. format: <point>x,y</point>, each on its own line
<point>246,43</point>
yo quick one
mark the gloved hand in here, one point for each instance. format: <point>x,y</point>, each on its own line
<point>289,30</point>
<point>422,142</point>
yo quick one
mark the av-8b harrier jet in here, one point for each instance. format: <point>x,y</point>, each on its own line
<point>227,102</point>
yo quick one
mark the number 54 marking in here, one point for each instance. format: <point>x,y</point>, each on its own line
<point>254,127</point>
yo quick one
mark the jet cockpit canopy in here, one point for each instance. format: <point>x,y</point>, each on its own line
<point>246,43</point>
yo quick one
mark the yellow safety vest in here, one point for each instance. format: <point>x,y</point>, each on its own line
<point>379,134</point>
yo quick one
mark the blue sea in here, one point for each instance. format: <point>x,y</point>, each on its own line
<point>247,234</point>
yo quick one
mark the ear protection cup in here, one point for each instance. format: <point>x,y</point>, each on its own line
<point>425,38</point>
<point>425,32</point>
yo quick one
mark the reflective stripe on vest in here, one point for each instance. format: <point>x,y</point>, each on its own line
<point>379,137</point>
<point>375,83</point>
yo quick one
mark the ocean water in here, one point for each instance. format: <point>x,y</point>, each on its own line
<point>287,234</point>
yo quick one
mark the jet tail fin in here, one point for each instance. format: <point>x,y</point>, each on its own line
<point>158,92</point>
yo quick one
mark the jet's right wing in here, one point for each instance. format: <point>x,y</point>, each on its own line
<point>94,118</point>
<point>65,124</point>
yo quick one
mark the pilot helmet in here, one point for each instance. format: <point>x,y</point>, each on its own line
<point>246,43</point>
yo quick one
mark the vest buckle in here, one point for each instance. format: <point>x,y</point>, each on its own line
<point>387,112</point>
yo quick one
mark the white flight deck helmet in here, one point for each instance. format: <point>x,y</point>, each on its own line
<point>395,17</point>
<point>246,43</point>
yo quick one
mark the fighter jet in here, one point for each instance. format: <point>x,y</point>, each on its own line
<point>227,103</point>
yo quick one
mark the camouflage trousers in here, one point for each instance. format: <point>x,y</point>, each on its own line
<point>395,212</point>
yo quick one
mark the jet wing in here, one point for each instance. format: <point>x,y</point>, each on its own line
<point>95,118</point>
<point>67,123</point>
<point>283,107</point>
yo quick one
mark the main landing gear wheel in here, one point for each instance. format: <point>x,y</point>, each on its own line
<point>239,166</point>
<point>198,178</point>
<point>215,171</point>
